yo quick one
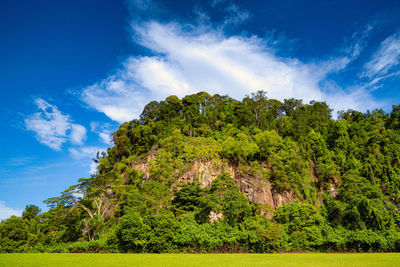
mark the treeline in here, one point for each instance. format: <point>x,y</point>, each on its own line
<point>344,173</point>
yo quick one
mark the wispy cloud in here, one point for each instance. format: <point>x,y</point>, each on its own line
<point>235,15</point>
<point>139,4</point>
<point>189,58</point>
<point>106,138</point>
<point>117,96</point>
<point>86,152</point>
<point>22,161</point>
<point>52,127</point>
<point>78,134</point>
<point>35,174</point>
<point>385,58</point>
<point>217,2</point>
<point>7,212</point>
<point>103,130</point>
<point>359,40</point>
<point>93,168</point>
<point>49,124</point>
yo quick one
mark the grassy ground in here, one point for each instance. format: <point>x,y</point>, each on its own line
<point>280,260</point>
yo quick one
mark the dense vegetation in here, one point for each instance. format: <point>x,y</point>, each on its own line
<point>344,174</point>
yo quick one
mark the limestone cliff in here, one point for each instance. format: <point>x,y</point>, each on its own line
<point>256,189</point>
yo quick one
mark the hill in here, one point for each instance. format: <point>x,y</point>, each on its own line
<point>213,174</point>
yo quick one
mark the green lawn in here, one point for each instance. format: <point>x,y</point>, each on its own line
<point>280,260</point>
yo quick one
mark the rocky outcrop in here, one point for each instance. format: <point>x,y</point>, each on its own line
<point>263,192</point>
<point>206,172</point>
<point>215,216</point>
<point>255,188</point>
<point>283,198</point>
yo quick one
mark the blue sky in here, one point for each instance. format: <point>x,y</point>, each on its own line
<point>72,71</point>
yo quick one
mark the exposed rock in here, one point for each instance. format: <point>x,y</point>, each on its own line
<point>256,189</point>
<point>142,165</point>
<point>333,189</point>
<point>215,216</point>
<point>281,198</point>
<point>204,172</point>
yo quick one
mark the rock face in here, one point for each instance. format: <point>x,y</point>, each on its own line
<point>256,189</point>
<point>206,172</point>
<point>215,216</point>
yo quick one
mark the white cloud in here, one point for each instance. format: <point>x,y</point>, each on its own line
<point>103,130</point>
<point>216,2</point>
<point>78,194</point>
<point>359,39</point>
<point>93,168</point>
<point>188,59</point>
<point>94,125</point>
<point>16,162</point>
<point>6,212</point>
<point>116,96</point>
<point>235,15</point>
<point>385,58</point>
<point>52,127</point>
<point>86,152</point>
<point>358,97</point>
<point>78,134</point>
<point>106,138</point>
<point>139,4</point>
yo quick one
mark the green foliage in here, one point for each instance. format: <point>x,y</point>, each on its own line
<point>264,236</point>
<point>394,184</point>
<point>131,233</point>
<point>210,237</point>
<point>30,212</point>
<point>225,198</point>
<point>304,225</point>
<point>289,169</point>
<point>13,235</point>
<point>269,143</point>
<point>148,197</point>
<point>188,199</point>
<point>239,149</point>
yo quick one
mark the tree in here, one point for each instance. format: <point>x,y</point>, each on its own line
<point>344,172</point>
<point>30,212</point>
<point>227,199</point>
<point>98,210</point>
<point>13,235</point>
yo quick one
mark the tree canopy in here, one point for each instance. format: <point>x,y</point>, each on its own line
<point>335,182</point>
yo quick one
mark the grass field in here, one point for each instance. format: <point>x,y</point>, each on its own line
<point>280,260</point>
